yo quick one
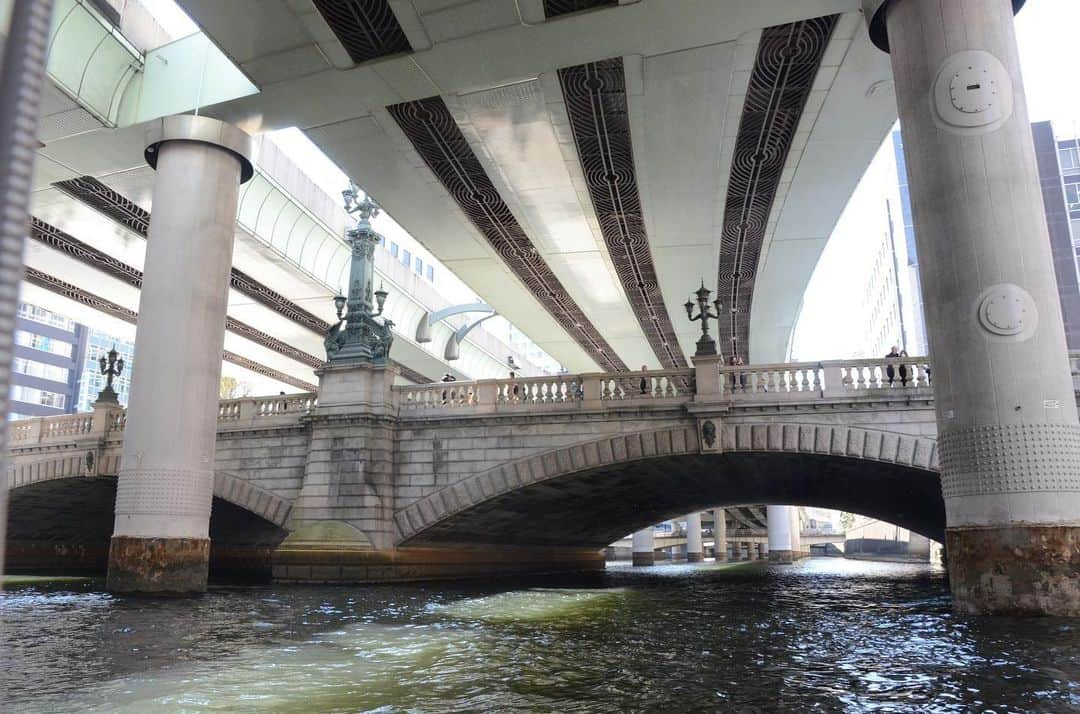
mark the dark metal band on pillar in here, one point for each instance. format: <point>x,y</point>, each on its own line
<point>875,11</point>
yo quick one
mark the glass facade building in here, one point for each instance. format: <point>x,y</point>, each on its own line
<point>55,369</point>
<point>47,364</point>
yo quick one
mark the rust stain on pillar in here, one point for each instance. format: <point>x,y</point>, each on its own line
<point>158,566</point>
<point>1015,570</point>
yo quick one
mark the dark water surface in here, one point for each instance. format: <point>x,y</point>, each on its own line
<point>824,635</point>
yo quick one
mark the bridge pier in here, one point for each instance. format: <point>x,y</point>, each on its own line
<point>160,541</point>
<point>720,535</point>
<point>642,545</point>
<point>781,548</point>
<point>1009,439</point>
<point>695,552</point>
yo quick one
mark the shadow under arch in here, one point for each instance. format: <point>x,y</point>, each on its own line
<point>64,522</point>
<point>592,493</point>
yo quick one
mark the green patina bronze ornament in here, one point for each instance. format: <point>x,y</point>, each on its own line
<point>357,336</point>
<point>708,433</point>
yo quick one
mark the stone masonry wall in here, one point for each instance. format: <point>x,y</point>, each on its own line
<point>434,454</point>
<point>272,459</point>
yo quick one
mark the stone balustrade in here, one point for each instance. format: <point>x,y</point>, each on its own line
<point>799,381</point>
<point>249,411</point>
<point>110,420</point>
<point>47,430</point>
<point>833,378</point>
<point>558,391</point>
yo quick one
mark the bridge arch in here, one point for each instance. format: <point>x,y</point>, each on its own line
<point>246,495</point>
<point>593,492</point>
<point>61,519</point>
<point>78,465</point>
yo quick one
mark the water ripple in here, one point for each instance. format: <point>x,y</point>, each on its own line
<point>824,635</point>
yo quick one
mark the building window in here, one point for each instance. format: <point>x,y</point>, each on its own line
<point>418,267</point>
<point>431,273</point>
<point>43,343</point>
<point>393,249</point>
<point>45,317</point>
<point>1070,157</point>
<point>29,395</point>
<point>1072,196</point>
<point>32,368</point>
<point>406,257</point>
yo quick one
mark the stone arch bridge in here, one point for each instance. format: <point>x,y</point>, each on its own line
<point>437,480</point>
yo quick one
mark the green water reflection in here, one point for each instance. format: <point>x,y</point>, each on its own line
<point>824,635</point>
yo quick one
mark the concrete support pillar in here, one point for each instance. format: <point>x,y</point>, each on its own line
<point>1008,435</point>
<point>642,547</point>
<point>695,552</point>
<point>763,551</point>
<point>796,533</point>
<point>918,545</point>
<point>720,546</point>
<point>751,551</point>
<point>779,523</point>
<point>161,541</point>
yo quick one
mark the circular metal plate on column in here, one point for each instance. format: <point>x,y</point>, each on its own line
<point>972,94</point>
<point>1008,312</point>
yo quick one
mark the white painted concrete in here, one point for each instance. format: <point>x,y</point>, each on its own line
<point>166,477</point>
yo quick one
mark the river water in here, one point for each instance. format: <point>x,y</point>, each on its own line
<point>823,635</point>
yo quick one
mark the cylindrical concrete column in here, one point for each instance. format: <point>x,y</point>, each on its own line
<point>1008,435</point>
<point>779,524</point>
<point>752,551</point>
<point>796,533</point>
<point>695,551</point>
<point>642,547</point>
<point>720,535</point>
<point>161,542</point>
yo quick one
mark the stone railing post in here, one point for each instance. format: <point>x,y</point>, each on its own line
<point>247,411</point>
<point>484,395</point>
<point>707,378</point>
<point>833,374</point>
<point>591,387</point>
<point>37,428</point>
<point>103,418</point>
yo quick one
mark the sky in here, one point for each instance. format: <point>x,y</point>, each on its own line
<point>1047,33</point>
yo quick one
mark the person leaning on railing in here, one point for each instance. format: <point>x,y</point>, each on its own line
<point>890,373</point>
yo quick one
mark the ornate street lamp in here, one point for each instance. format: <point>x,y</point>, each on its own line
<point>110,367</point>
<point>356,336</point>
<point>706,346</point>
